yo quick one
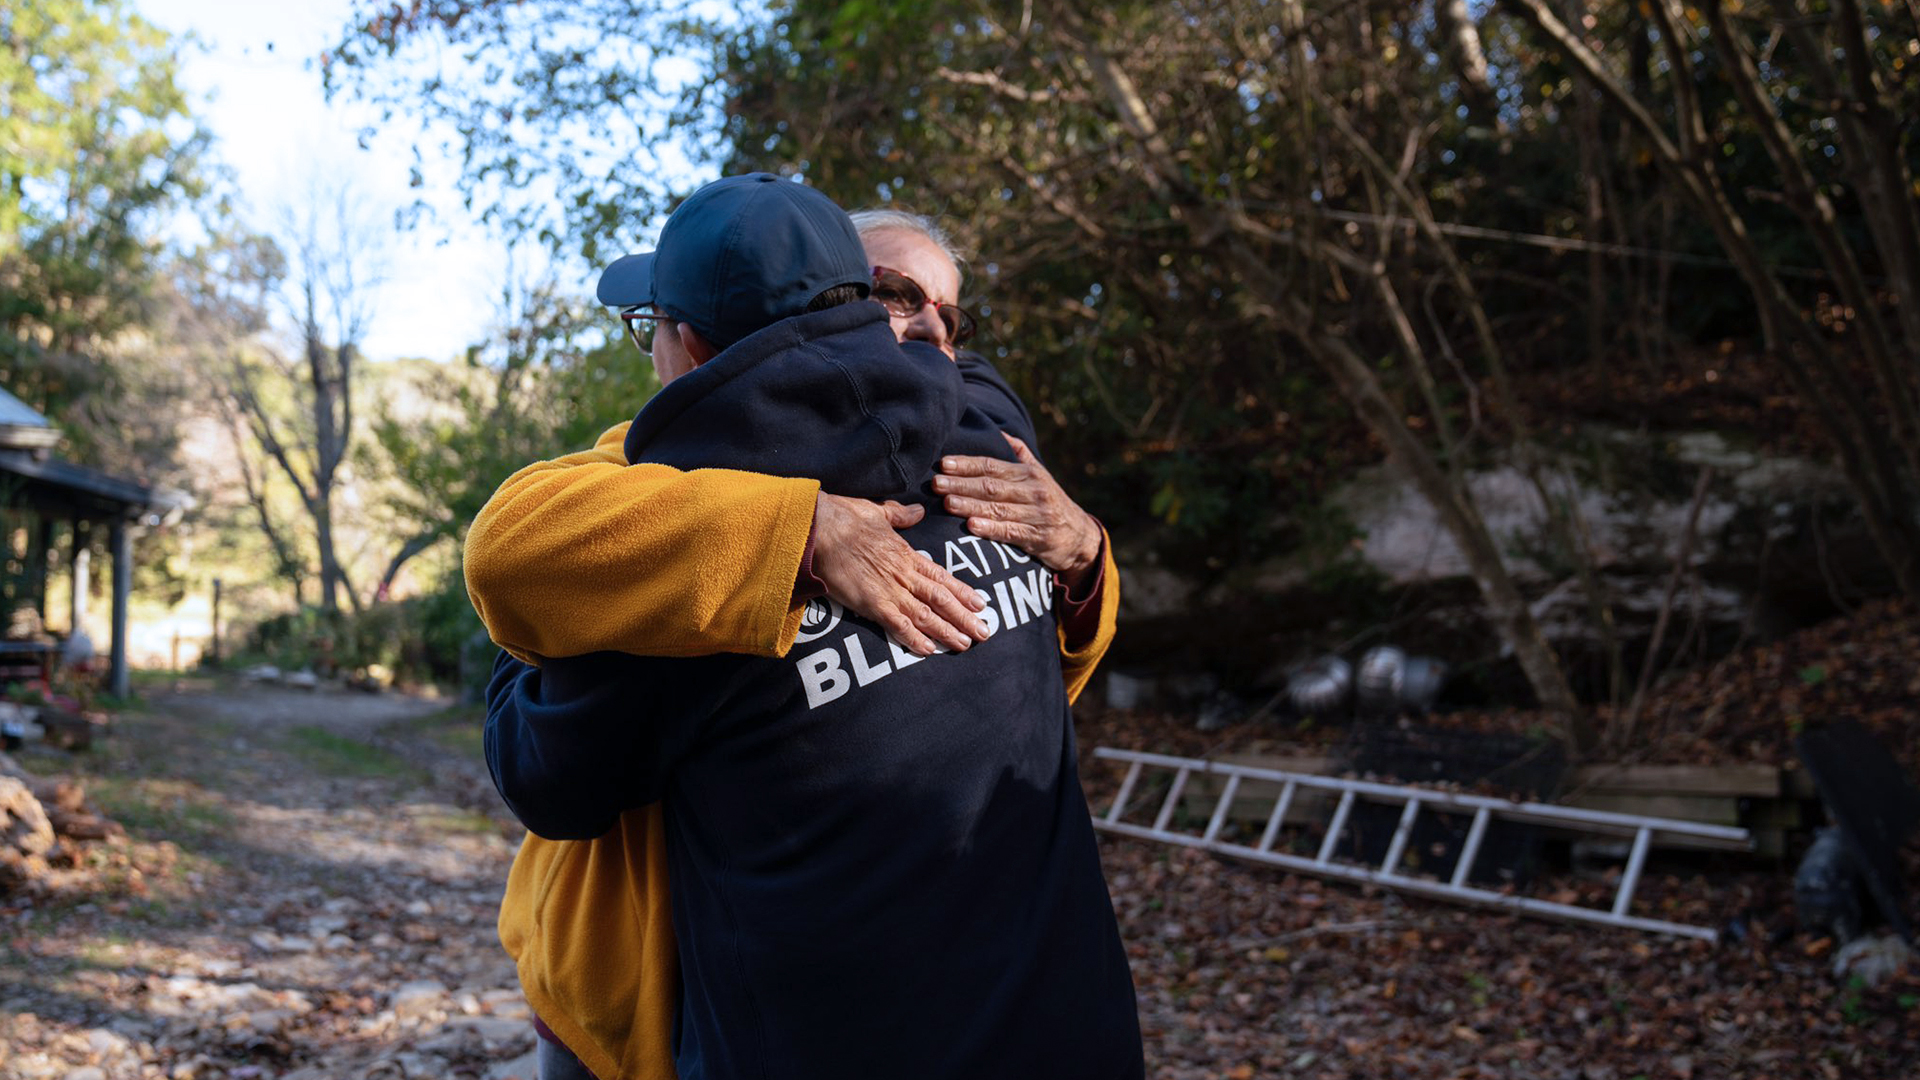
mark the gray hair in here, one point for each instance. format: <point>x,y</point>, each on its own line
<point>873,221</point>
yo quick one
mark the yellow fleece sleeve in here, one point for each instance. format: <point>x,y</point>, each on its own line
<point>587,553</point>
<point>589,924</point>
<point>1077,663</point>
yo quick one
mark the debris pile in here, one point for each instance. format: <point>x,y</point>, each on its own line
<point>41,819</point>
<point>1389,683</point>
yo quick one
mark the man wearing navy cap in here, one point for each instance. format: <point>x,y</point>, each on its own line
<point>881,863</point>
<point>741,254</point>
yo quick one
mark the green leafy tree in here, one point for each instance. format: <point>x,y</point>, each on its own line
<point>1229,247</point>
<point>548,380</point>
<point>1147,278</point>
<point>551,378</point>
<point>576,124</point>
<point>97,148</point>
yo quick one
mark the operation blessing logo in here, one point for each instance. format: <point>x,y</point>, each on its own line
<point>821,616</point>
<point>1016,598</point>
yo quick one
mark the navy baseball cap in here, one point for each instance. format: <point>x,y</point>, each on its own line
<point>741,254</point>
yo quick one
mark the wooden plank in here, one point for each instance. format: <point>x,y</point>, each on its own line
<point>1756,781</point>
<point>1707,809</point>
<point>1774,814</point>
<point>1301,762</point>
<point>1254,801</point>
<point>1798,783</point>
<point>1255,798</point>
<point>1770,843</point>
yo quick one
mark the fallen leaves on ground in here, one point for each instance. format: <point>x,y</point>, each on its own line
<point>1244,970</point>
<point>1371,984</point>
<point>282,907</point>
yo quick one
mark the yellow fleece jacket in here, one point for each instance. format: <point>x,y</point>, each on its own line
<point>586,553</point>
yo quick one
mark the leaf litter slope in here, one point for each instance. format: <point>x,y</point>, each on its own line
<point>1246,972</point>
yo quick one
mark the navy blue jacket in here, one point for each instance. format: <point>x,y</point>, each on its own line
<point>882,865</point>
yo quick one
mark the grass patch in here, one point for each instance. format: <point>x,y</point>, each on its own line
<point>463,739</point>
<point>134,702</point>
<point>43,760</point>
<point>106,950</point>
<point>161,809</point>
<point>459,821</point>
<point>45,918</point>
<point>336,755</point>
<point>456,730</point>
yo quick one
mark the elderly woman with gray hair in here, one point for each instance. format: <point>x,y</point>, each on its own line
<point>531,573</point>
<point>916,276</point>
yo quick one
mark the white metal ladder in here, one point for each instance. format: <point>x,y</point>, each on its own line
<point>1645,832</point>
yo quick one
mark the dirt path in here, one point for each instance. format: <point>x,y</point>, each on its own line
<point>307,889</point>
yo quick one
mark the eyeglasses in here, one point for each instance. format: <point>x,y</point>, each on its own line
<point>902,296</point>
<point>633,319</point>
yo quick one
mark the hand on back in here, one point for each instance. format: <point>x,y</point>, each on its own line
<point>1020,503</point>
<point>870,570</point>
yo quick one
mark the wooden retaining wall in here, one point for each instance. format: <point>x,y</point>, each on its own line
<point>1770,801</point>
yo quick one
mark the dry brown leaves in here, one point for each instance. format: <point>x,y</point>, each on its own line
<point>1246,972</point>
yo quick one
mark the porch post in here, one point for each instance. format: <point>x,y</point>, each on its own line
<point>121,539</point>
<point>37,565</point>
<point>82,577</point>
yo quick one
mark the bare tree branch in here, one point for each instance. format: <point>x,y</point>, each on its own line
<point>994,82</point>
<point>1230,227</point>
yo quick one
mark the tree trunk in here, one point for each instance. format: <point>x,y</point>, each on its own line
<point>414,545</point>
<point>1506,608</point>
<point>322,510</point>
<point>1572,535</point>
<point>287,562</point>
<point>1897,230</point>
<point>1593,161</point>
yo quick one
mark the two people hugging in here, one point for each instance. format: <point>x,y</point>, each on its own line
<point>784,700</point>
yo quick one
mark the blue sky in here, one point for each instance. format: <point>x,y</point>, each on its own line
<point>259,92</point>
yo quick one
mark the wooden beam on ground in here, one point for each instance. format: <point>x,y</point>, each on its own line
<point>1764,798</point>
<point>1706,809</point>
<point>1754,781</point>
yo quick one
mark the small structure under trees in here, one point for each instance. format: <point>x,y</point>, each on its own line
<point>38,494</point>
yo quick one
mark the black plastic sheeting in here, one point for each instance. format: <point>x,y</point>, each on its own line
<point>1873,803</point>
<point>1482,763</point>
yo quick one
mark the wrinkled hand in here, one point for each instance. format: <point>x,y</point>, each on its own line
<point>875,574</point>
<point>1020,503</point>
